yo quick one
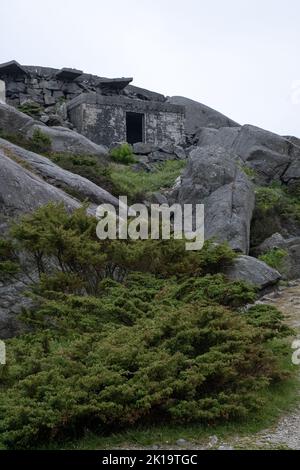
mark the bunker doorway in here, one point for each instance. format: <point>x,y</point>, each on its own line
<point>135,127</point>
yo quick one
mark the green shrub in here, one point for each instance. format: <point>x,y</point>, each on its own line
<point>31,108</point>
<point>17,139</point>
<point>88,166</point>
<point>164,345</point>
<point>123,154</point>
<point>276,207</point>
<point>250,172</point>
<point>41,142</point>
<point>71,241</point>
<point>215,288</point>
<point>269,319</point>
<point>190,364</point>
<point>136,185</point>
<point>8,260</point>
<point>275,258</point>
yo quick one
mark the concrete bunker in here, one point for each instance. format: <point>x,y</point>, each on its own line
<point>106,110</point>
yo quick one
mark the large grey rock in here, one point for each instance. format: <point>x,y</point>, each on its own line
<point>254,271</point>
<point>213,178</point>
<point>275,241</point>
<point>290,265</point>
<point>62,139</point>
<point>57,176</point>
<point>22,191</point>
<point>13,121</point>
<point>271,156</point>
<point>12,301</point>
<point>66,140</point>
<point>142,148</point>
<point>198,115</point>
<point>292,173</point>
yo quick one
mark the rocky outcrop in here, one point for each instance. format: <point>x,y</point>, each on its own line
<point>12,301</point>
<point>66,140</point>
<point>28,181</point>
<point>291,262</point>
<point>213,178</point>
<point>13,121</point>
<point>21,191</point>
<point>198,115</point>
<point>272,157</point>
<point>57,176</point>
<point>254,271</point>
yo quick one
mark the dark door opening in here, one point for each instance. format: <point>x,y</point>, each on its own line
<point>135,127</point>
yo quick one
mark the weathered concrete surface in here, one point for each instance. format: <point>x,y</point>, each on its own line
<point>103,119</point>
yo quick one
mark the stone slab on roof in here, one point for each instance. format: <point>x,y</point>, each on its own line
<point>12,68</point>
<point>113,84</point>
<point>68,74</point>
<point>142,93</point>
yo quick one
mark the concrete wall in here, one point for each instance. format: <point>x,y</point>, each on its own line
<point>103,119</point>
<point>2,91</point>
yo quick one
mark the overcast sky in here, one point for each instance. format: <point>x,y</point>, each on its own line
<point>240,57</point>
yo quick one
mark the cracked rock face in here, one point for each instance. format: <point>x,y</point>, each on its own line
<point>213,178</point>
<point>22,191</point>
<point>56,176</point>
<point>272,157</point>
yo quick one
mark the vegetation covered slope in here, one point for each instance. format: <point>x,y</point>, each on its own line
<point>124,332</point>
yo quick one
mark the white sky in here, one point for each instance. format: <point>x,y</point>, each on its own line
<point>240,57</point>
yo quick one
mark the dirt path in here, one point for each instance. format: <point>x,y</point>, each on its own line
<point>287,431</point>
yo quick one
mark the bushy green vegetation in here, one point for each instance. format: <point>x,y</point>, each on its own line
<point>125,332</point>
<point>137,184</point>
<point>123,154</point>
<point>250,172</point>
<point>275,258</point>
<point>39,142</point>
<point>117,178</point>
<point>31,108</point>
<point>276,207</point>
<point>88,166</point>
<point>8,260</point>
<point>17,139</point>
